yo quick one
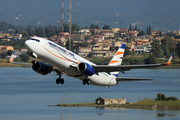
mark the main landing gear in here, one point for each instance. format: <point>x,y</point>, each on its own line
<point>86,81</point>
<point>59,80</point>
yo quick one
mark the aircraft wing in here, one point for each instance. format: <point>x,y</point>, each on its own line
<point>118,79</point>
<point>122,68</point>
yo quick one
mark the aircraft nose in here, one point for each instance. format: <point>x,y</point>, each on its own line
<point>27,44</point>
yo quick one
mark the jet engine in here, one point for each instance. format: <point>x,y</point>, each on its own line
<point>41,67</point>
<point>86,69</point>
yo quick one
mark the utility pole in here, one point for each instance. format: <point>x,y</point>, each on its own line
<point>69,24</point>
<point>62,17</point>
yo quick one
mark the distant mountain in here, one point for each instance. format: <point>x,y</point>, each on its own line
<point>160,14</point>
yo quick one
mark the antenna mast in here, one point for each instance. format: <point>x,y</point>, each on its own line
<point>62,16</point>
<point>69,24</point>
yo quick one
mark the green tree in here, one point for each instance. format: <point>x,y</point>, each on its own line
<point>75,27</point>
<point>96,26</point>
<point>92,26</point>
<point>178,49</point>
<point>141,32</point>
<point>66,27</point>
<point>130,28</point>
<point>151,59</point>
<point>157,49</point>
<point>86,37</point>
<point>159,96</point>
<point>136,27</point>
<point>39,31</point>
<point>149,29</point>
<point>106,27</point>
<point>24,33</point>
<point>168,45</point>
<point>9,52</point>
<point>16,32</point>
<point>31,30</point>
<point>67,44</point>
<point>3,55</point>
<point>25,57</point>
<point>127,51</point>
<point>163,97</point>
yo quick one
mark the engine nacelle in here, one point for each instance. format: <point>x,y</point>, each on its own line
<point>41,68</point>
<point>86,69</point>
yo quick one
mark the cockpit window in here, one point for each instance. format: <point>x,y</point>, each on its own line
<point>35,40</point>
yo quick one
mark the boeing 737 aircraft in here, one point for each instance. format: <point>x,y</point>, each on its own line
<point>63,61</point>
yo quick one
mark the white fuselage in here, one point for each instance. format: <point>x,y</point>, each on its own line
<point>66,61</point>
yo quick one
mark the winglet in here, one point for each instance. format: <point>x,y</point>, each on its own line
<point>169,61</point>
<point>11,58</point>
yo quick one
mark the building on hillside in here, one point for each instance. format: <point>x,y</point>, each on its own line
<point>5,48</point>
<point>123,31</point>
<point>3,35</point>
<point>102,49</point>
<point>23,49</point>
<point>159,38</point>
<point>102,53</point>
<point>102,101</point>
<point>95,31</point>
<point>17,36</point>
<point>176,32</point>
<point>132,33</point>
<point>84,51</point>
<point>64,37</point>
<point>85,32</point>
<point>156,33</point>
<point>142,49</point>
<point>107,33</point>
<point>101,46</point>
<point>5,40</point>
<point>116,30</point>
<point>90,40</point>
<point>98,37</point>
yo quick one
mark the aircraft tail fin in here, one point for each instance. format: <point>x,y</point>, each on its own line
<point>11,58</point>
<point>117,59</point>
<point>169,61</point>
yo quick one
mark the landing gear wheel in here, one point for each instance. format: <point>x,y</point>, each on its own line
<point>88,82</point>
<point>84,82</point>
<point>62,81</point>
<point>59,80</point>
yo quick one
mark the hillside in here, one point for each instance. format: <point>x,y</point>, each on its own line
<point>161,14</point>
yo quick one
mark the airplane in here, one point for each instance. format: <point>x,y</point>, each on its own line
<point>62,61</point>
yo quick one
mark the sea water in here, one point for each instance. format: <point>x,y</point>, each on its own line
<point>25,95</point>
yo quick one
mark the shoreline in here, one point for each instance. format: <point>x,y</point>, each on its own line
<point>6,63</point>
<point>133,105</point>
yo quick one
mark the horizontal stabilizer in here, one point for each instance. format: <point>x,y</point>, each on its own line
<point>131,79</point>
